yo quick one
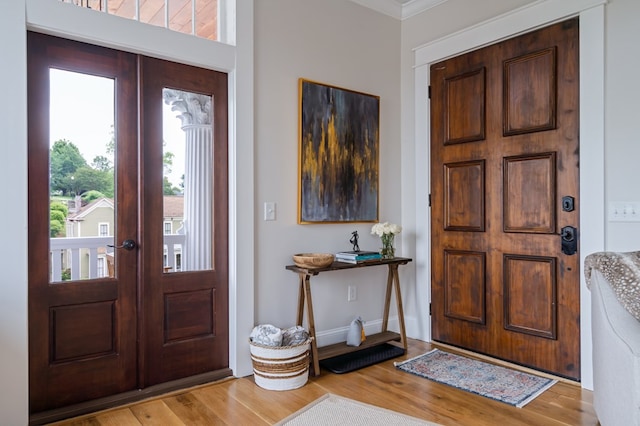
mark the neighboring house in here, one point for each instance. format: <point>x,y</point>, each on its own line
<point>172,225</point>
<point>96,219</point>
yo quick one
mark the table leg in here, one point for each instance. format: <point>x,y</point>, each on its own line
<point>312,327</point>
<point>396,280</point>
<point>300,300</point>
<point>387,300</point>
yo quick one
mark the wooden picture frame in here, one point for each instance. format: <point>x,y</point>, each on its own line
<point>338,154</point>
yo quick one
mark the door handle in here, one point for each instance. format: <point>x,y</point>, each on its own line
<point>569,240</point>
<point>126,244</point>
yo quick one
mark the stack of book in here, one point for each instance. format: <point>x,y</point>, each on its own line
<point>357,256</point>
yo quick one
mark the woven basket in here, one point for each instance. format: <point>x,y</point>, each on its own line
<point>280,367</point>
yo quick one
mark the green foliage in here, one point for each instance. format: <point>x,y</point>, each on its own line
<point>56,205</point>
<point>66,275</point>
<point>168,188</point>
<point>167,161</point>
<point>57,218</point>
<point>87,179</point>
<point>56,215</point>
<point>111,145</point>
<point>91,195</point>
<point>65,160</point>
<point>101,163</point>
<point>56,228</point>
<point>71,175</point>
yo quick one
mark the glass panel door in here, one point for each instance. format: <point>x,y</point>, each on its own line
<point>187,180</point>
<point>83,198</point>
<point>81,175</point>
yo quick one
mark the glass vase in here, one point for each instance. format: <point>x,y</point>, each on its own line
<point>387,251</point>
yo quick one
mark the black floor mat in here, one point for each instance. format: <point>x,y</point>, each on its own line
<point>363,358</point>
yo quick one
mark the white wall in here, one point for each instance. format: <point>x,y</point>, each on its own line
<point>13,174</point>
<point>343,44</point>
<point>622,148</point>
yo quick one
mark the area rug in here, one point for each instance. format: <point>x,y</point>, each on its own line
<point>331,410</point>
<point>492,381</point>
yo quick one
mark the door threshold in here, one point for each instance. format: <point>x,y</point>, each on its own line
<point>125,398</point>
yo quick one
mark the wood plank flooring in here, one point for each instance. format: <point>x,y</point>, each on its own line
<point>242,402</point>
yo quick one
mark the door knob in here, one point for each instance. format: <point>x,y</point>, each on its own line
<point>126,244</point>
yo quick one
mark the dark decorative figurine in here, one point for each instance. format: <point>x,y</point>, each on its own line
<point>354,241</point>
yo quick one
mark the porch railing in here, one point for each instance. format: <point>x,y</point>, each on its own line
<point>67,253</point>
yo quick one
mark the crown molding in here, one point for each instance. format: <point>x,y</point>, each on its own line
<point>399,9</point>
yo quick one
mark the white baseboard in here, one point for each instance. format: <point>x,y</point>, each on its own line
<point>337,335</point>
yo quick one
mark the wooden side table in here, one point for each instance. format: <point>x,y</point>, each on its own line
<point>330,351</point>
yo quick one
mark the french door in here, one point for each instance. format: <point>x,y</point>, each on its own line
<point>128,275</point>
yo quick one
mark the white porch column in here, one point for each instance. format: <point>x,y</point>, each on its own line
<point>196,115</point>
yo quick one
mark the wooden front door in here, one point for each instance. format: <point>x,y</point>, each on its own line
<point>122,293</point>
<point>504,172</point>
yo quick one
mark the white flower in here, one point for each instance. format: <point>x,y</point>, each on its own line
<point>386,228</point>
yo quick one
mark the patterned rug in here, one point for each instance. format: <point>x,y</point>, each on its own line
<point>331,410</point>
<point>492,381</point>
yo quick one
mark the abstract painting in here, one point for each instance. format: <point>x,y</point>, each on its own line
<point>338,154</point>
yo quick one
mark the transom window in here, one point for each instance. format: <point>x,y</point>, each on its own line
<point>202,18</point>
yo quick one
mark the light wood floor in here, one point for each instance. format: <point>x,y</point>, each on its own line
<point>242,402</point>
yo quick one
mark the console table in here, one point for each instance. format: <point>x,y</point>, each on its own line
<point>330,351</point>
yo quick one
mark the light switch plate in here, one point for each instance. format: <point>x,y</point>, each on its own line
<point>270,210</point>
<point>624,211</point>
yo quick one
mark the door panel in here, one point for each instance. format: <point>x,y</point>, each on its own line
<point>504,151</point>
<point>465,285</point>
<point>464,196</point>
<point>185,315</point>
<point>464,103</point>
<point>529,183</point>
<point>530,92</point>
<point>80,343</point>
<point>530,309</point>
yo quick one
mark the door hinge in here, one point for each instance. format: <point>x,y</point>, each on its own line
<point>429,200</point>
<point>429,92</point>
<point>429,308</point>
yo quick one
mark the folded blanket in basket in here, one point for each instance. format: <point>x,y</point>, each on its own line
<point>269,335</point>
<point>266,334</point>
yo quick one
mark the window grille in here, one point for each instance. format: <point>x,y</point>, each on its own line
<point>200,18</point>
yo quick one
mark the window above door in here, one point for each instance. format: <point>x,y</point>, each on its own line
<point>208,19</point>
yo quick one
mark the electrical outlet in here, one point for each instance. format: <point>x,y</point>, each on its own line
<point>624,211</point>
<point>352,293</point>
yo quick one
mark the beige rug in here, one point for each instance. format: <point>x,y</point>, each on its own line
<point>331,410</point>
